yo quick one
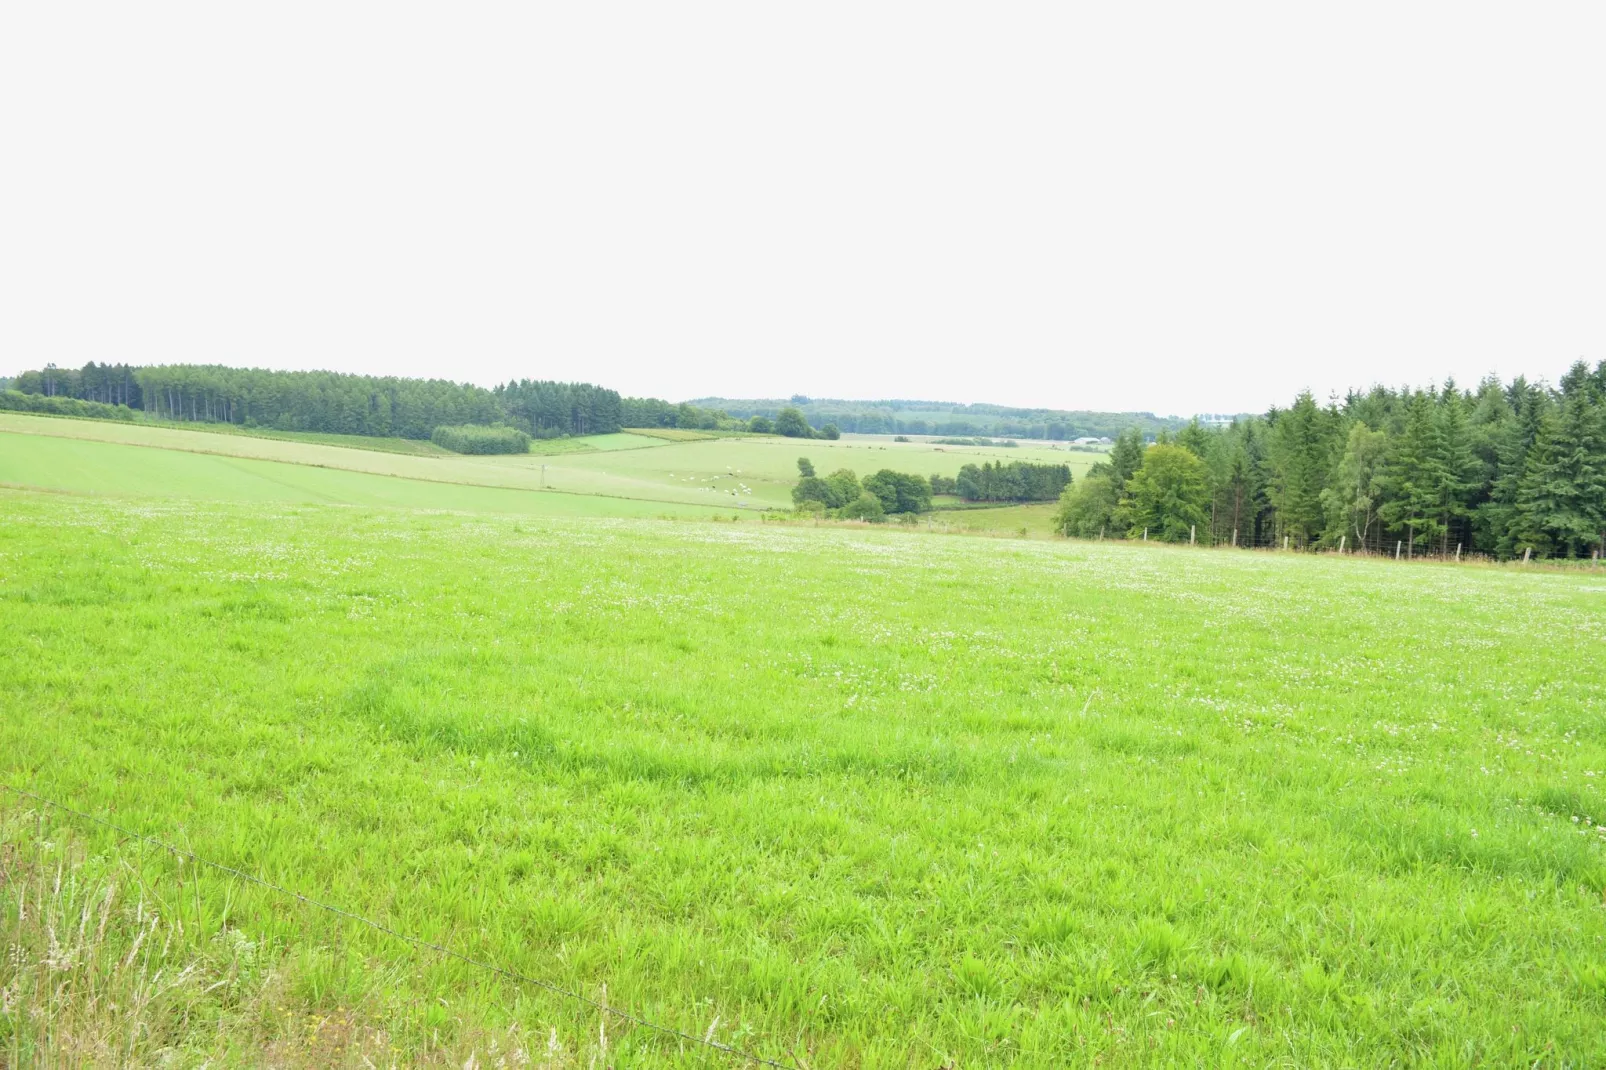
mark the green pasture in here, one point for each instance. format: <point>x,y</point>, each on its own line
<point>1036,518</point>
<point>522,472</point>
<point>622,440</point>
<point>839,796</point>
<point>108,468</point>
<point>679,434</point>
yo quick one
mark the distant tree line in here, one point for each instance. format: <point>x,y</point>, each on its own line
<point>109,384</point>
<point>338,403</point>
<point>1016,481</point>
<point>906,417</point>
<point>546,409</point>
<point>902,493</point>
<point>329,402</point>
<point>791,423</point>
<point>1505,469</point>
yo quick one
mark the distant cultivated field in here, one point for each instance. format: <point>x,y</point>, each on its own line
<point>726,473</point>
<point>844,797</point>
<point>762,471</point>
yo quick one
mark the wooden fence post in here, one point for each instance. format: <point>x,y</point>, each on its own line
<point>1397,544</point>
<point>1145,534</point>
<point>1458,553</point>
<point>1285,542</point>
<point>1526,550</point>
<point>1193,529</point>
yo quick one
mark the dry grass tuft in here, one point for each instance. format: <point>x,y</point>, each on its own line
<point>96,973</point>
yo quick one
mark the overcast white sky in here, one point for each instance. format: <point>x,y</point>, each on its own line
<point>1181,208</point>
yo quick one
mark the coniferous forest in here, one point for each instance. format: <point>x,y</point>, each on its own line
<point>1508,470</point>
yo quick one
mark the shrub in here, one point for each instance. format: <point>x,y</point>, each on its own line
<point>867,507</point>
<point>814,489</point>
<point>475,438</point>
<point>792,424</point>
<point>59,406</point>
<point>1086,508</point>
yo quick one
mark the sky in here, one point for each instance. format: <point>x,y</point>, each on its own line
<point>1176,208</point>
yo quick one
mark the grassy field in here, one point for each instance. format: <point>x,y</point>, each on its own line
<point>1035,520</point>
<point>751,472</point>
<point>623,440</point>
<point>109,468</point>
<point>842,797</point>
<point>675,434</point>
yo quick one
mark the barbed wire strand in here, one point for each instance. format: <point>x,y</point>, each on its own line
<point>415,941</point>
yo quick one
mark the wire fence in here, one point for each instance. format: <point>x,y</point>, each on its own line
<point>1373,543</point>
<point>417,943</point>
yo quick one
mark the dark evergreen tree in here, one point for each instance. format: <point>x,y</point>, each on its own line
<point>1561,500</point>
<point>1515,438</point>
<point>1302,458</point>
<point>1126,456</point>
<point>1456,471</point>
<point>1412,476</point>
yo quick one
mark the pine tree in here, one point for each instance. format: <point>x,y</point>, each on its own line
<point>1561,501</point>
<point>1411,477</point>
<point>1126,456</point>
<point>1498,516</point>
<point>1195,439</point>
<point>1301,460</point>
<point>1457,472</point>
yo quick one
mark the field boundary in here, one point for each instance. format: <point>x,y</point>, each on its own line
<point>414,941</point>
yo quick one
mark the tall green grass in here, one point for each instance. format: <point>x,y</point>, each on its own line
<point>871,797</point>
